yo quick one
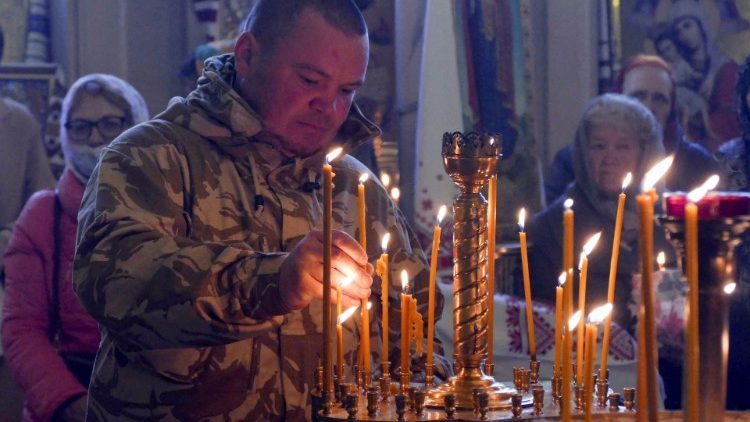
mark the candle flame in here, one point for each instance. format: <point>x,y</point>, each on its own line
<point>347,313</point>
<point>385,179</point>
<point>333,154</point>
<point>395,193</point>
<point>384,242</point>
<point>441,214</point>
<point>369,305</point>
<point>363,177</point>
<point>574,320</point>
<point>568,204</point>
<point>698,193</point>
<point>661,259</point>
<point>729,287</point>
<point>562,278</point>
<point>492,141</point>
<point>627,180</point>
<point>404,280</point>
<point>521,218</point>
<point>597,315</point>
<point>655,173</point>
<point>589,246</point>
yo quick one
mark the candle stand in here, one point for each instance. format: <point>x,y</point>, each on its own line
<point>717,239</point>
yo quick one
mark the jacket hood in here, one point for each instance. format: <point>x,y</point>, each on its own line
<point>217,112</point>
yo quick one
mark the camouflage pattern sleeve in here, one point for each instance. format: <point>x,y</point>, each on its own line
<point>150,271</point>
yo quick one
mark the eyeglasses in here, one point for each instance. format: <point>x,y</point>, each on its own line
<point>109,127</point>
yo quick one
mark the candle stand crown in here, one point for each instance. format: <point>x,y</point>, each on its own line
<point>470,159</point>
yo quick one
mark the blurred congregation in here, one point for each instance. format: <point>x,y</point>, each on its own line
<point>109,195</point>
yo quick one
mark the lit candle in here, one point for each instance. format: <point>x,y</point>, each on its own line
<point>491,240</point>
<point>568,238</point>
<point>613,273</point>
<point>383,272</point>
<point>327,241</point>
<point>595,318</point>
<point>405,328</point>
<point>559,321</point>
<point>431,298</point>
<point>692,351</point>
<point>364,350</point>
<point>583,266</point>
<point>647,353</point>
<point>567,365</point>
<point>340,340</point>
<point>526,284</point>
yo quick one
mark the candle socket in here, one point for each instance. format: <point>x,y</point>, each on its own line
<point>400,405</point>
<point>351,406</point>
<point>366,379</point>
<point>428,374</point>
<point>361,378</point>
<point>534,366</point>
<point>475,399</point>
<point>538,394</point>
<point>449,405</point>
<point>579,393</point>
<point>489,368</point>
<point>483,400</point>
<point>602,389</point>
<point>318,381</point>
<point>516,402</point>
<point>628,396</point>
<point>419,399</point>
<point>355,374</point>
<point>525,379</point>
<point>405,380</point>
<point>614,402</point>
<point>410,397</point>
<point>517,378</point>
<point>327,402</point>
<point>385,386</point>
<point>372,400</point>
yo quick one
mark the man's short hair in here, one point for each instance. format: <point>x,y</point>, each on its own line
<point>271,20</point>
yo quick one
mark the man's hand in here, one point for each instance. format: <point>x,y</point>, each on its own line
<point>301,274</point>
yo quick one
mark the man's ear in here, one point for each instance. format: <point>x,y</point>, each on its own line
<point>246,52</point>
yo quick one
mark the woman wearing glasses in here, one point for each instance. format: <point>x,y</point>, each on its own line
<point>48,338</point>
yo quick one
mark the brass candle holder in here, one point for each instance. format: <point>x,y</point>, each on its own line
<point>470,159</point>
<point>718,239</point>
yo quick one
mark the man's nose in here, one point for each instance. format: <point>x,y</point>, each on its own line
<point>324,103</point>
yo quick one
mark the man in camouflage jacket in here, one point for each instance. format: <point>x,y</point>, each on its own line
<point>199,250</point>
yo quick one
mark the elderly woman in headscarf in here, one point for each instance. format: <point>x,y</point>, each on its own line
<point>717,72</point>
<point>49,339</point>
<point>616,135</point>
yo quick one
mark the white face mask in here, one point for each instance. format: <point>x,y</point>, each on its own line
<point>83,158</point>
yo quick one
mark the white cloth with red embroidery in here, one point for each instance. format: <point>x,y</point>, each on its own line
<point>510,341</point>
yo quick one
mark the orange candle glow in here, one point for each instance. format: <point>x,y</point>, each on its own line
<point>595,318</point>
<point>583,266</point>
<point>613,272</point>
<point>433,275</point>
<point>342,317</point>
<point>383,272</point>
<point>559,322</point>
<point>491,242</point>
<point>405,327</point>
<point>567,365</point>
<point>527,284</point>
<point>647,395</point>
<point>692,349</point>
<point>327,241</point>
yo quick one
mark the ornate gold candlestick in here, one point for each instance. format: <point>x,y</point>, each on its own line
<point>470,159</point>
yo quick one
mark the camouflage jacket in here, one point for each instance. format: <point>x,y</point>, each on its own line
<point>178,262</point>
